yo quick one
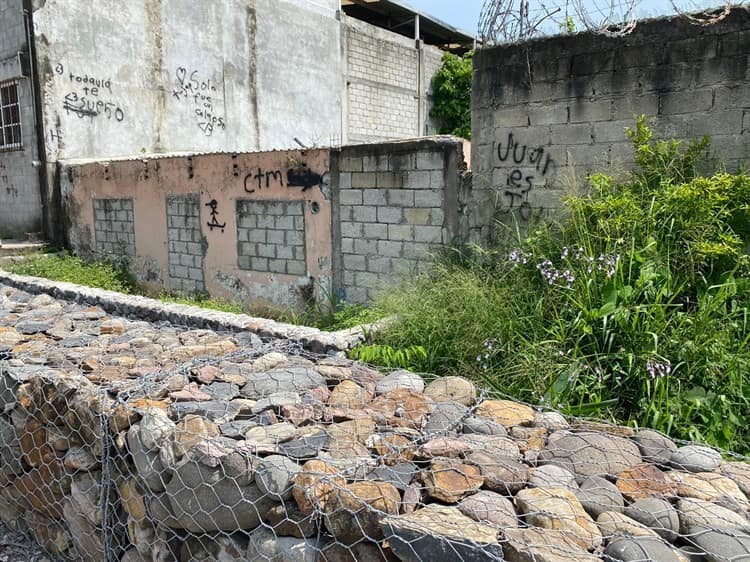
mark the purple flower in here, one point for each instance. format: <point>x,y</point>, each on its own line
<point>658,369</point>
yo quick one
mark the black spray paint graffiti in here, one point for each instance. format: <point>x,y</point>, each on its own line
<point>214,223</point>
<point>5,182</point>
<point>528,166</point>
<point>89,96</point>
<point>299,176</point>
<point>199,93</point>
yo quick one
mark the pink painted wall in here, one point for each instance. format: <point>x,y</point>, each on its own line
<point>273,177</point>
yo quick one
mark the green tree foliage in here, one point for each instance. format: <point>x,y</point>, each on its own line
<point>452,95</point>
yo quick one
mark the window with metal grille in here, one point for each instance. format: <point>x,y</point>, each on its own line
<point>10,117</point>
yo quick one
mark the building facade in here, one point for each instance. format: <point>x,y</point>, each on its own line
<point>112,79</point>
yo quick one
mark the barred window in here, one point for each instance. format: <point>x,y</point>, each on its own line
<point>10,117</point>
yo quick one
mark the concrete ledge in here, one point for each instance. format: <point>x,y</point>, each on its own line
<point>153,310</point>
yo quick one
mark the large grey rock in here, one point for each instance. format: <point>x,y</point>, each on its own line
<point>723,545</point>
<point>31,327</point>
<point>441,533</point>
<point>10,451</point>
<point>696,515</point>
<point>598,495</point>
<point>695,458</point>
<point>10,379</point>
<point>86,537</point>
<point>447,416</point>
<point>400,475</point>
<point>203,500</point>
<point>293,379</point>
<point>532,544</point>
<point>552,476</point>
<point>400,379</point>
<point>151,471</point>
<point>156,428</point>
<point>501,474</point>
<point>483,426</point>
<point>489,507</point>
<point>306,447</point>
<point>639,549</point>
<point>654,446</point>
<point>217,548</point>
<point>656,514</point>
<point>590,454</point>
<point>265,545</point>
<point>214,410</point>
<point>274,476</point>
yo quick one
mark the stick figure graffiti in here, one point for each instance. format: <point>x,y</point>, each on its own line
<point>214,223</point>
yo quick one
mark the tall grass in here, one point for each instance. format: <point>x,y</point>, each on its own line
<point>635,307</point>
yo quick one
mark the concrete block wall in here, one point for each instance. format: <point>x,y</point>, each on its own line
<point>21,208</point>
<point>393,203</point>
<point>274,227</point>
<point>114,227</point>
<point>253,228</point>
<point>271,236</point>
<point>548,112</point>
<point>387,83</point>
<point>185,243</point>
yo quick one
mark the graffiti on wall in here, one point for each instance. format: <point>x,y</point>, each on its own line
<point>199,93</point>
<point>214,222</point>
<point>89,96</point>
<point>298,176</point>
<point>525,167</point>
<point>5,182</point>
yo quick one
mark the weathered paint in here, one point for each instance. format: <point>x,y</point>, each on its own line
<point>225,179</point>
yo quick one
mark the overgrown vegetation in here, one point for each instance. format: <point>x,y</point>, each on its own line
<point>114,275</point>
<point>451,97</point>
<point>636,307</point>
<point>72,269</point>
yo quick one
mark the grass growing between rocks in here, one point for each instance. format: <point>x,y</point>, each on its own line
<point>636,307</point>
<point>102,274</point>
<point>72,269</point>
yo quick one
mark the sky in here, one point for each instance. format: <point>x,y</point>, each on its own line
<point>464,14</point>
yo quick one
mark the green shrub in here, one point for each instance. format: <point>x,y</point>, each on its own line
<point>72,269</point>
<point>635,307</point>
<point>451,95</point>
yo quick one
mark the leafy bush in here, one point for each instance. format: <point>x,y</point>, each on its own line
<point>635,307</point>
<point>451,95</point>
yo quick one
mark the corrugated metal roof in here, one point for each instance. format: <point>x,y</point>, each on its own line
<point>398,16</point>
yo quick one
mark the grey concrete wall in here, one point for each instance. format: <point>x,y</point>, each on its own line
<point>548,112</point>
<point>388,80</point>
<point>154,76</point>
<point>20,202</point>
<point>393,203</point>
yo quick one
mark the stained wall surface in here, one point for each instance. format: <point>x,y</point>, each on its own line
<point>252,228</point>
<point>548,112</point>
<point>20,199</point>
<point>280,227</point>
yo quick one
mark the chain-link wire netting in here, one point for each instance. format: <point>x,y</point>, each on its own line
<point>133,441</point>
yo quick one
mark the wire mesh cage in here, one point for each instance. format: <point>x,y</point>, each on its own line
<point>124,440</point>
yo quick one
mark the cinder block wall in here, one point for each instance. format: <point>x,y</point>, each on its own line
<point>392,203</point>
<point>548,112</point>
<point>271,227</point>
<point>388,79</point>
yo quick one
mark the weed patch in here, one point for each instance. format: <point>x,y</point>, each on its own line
<point>635,307</point>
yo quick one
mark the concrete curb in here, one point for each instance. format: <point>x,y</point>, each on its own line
<point>153,310</point>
